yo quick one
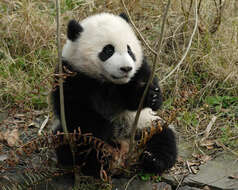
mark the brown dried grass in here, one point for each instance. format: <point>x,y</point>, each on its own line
<point>27,30</point>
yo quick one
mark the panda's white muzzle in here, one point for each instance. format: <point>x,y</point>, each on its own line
<point>119,68</point>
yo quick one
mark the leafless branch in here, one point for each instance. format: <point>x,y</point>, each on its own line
<point>62,111</point>
<point>136,29</point>
<point>182,7</point>
<point>188,47</point>
<point>62,108</point>
<point>217,20</point>
<point>209,127</point>
<point>199,5</point>
<point>134,127</point>
<point>129,182</point>
<point>43,125</point>
<point>190,6</point>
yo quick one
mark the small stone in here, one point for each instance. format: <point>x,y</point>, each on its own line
<point>162,186</point>
<point>137,184</point>
<point>188,188</point>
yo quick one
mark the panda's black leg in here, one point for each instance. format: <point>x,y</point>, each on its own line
<point>64,154</point>
<point>160,153</point>
<point>87,160</point>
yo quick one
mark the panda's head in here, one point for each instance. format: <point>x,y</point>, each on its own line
<point>104,47</point>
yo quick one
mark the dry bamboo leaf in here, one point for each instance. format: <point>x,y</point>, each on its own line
<point>209,144</point>
<point>205,158</point>
<point>1,136</point>
<point>195,169</point>
<point>209,127</point>
<point>197,156</point>
<point>193,163</point>
<point>180,159</point>
<point>12,137</point>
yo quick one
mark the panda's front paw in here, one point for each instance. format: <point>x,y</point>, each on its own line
<point>154,98</point>
<point>152,163</point>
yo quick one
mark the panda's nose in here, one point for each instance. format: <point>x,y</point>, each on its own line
<point>126,69</point>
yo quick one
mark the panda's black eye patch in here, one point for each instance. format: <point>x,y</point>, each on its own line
<point>131,53</point>
<point>106,52</point>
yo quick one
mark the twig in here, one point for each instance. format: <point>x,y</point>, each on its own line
<point>43,125</point>
<point>190,6</point>
<point>199,5</point>
<point>189,45</point>
<point>190,171</point>
<point>129,182</point>
<point>209,126</point>
<point>196,144</point>
<point>182,7</point>
<point>134,126</point>
<point>136,29</point>
<point>62,108</point>
<point>217,9</point>
<point>233,138</point>
<point>219,143</point>
<point>180,182</point>
<point>217,20</point>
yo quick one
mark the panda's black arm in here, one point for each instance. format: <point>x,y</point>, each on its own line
<point>88,120</point>
<point>135,88</point>
<point>97,125</point>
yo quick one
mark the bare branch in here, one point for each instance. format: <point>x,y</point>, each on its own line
<point>134,127</point>
<point>217,20</point>
<point>188,47</point>
<point>43,125</point>
<point>190,6</point>
<point>62,111</point>
<point>129,182</point>
<point>182,7</point>
<point>136,29</point>
<point>62,108</point>
<point>199,5</point>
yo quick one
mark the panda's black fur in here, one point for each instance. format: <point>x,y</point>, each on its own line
<point>93,104</point>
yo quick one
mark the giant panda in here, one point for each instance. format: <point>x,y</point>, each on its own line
<point>103,96</point>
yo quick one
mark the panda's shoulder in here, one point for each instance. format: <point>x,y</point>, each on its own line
<point>73,80</point>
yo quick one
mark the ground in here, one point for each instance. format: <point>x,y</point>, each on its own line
<point>200,97</point>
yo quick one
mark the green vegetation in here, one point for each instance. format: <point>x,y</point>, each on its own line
<point>149,177</point>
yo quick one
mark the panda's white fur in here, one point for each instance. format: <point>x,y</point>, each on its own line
<point>147,115</point>
<point>83,55</point>
<point>109,29</point>
<point>103,96</point>
<point>127,118</point>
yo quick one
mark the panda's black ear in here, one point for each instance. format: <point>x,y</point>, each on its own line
<point>124,16</point>
<point>74,29</point>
